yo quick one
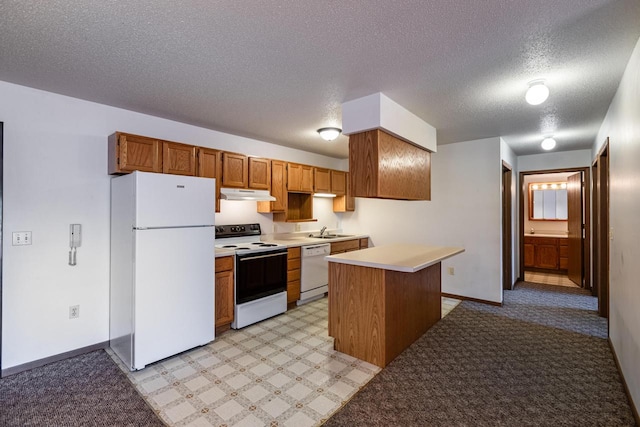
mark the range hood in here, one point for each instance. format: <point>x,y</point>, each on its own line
<point>243,194</point>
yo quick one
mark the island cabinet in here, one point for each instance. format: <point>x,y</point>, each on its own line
<point>293,275</point>
<point>128,153</point>
<point>321,180</point>
<point>278,189</point>
<point>546,253</point>
<point>382,299</point>
<point>224,298</point>
<point>384,166</point>
<point>345,246</point>
<point>210,166</point>
<point>299,178</point>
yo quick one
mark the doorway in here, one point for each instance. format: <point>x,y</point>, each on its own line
<point>507,275</point>
<point>554,227</point>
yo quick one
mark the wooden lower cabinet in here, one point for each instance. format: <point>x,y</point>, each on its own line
<point>546,253</point>
<point>346,246</point>
<point>224,299</point>
<point>293,275</point>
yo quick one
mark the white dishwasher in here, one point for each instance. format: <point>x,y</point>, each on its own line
<point>314,274</point>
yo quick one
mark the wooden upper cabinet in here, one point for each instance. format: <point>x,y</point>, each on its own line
<point>299,178</point>
<point>178,159</point>
<point>278,189</point>
<point>338,183</point>
<point>384,166</point>
<point>128,153</point>
<point>235,170</point>
<point>259,173</point>
<point>346,202</point>
<point>321,180</point>
<point>210,166</point>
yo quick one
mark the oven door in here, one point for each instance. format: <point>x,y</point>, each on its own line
<point>260,274</point>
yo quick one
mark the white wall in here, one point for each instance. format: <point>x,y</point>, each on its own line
<point>622,126</point>
<point>553,160</point>
<point>464,210</point>
<point>55,174</point>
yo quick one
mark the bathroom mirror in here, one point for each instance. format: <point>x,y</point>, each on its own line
<point>548,201</point>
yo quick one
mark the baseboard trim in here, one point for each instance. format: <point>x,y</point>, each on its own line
<point>55,358</point>
<point>482,301</point>
<point>634,410</point>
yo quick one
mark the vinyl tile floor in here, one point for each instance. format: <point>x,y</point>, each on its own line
<point>279,372</point>
<point>549,279</point>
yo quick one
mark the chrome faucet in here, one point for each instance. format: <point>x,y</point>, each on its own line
<point>322,230</point>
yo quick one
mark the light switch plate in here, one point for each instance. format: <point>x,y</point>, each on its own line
<point>21,238</point>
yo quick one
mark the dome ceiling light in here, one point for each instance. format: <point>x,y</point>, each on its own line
<point>548,143</point>
<point>329,134</point>
<point>537,93</point>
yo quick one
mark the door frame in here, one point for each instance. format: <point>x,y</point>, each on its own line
<point>507,221</point>
<point>586,268</point>
<point>601,229</point>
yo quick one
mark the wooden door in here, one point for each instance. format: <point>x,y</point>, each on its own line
<point>209,166</point>
<point>601,246</point>
<point>575,221</point>
<point>259,173</point>
<point>235,171</point>
<point>134,153</point>
<point>178,159</point>
<point>507,275</point>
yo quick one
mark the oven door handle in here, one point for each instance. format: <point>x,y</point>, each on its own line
<point>262,256</point>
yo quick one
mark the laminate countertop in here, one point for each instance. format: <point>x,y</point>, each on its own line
<point>405,257</point>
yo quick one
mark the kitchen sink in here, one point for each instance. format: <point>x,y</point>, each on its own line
<point>330,236</point>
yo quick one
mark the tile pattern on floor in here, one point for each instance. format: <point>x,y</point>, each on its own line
<point>548,279</point>
<point>279,372</point>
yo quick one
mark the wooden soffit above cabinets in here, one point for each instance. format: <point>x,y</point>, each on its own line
<point>389,149</point>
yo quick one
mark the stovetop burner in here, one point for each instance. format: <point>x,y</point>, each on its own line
<point>242,237</point>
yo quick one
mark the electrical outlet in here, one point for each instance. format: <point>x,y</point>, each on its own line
<point>21,238</point>
<point>451,271</point>
<point>74,311</point>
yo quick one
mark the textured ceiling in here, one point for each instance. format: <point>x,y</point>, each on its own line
<point>277,70</point>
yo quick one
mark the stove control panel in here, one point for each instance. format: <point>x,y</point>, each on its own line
<point>237,230</point>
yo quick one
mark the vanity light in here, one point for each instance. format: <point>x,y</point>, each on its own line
<point>329,134</point>
<point>544,186</point>
<point>535,186</point>
<point>548,143</point>
<point>563,185</point>
<point>554,186</point>
<point>537,92</point>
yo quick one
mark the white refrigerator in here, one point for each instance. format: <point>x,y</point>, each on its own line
<point>162,266</point>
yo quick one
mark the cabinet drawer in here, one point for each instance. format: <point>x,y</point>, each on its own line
<point>293,253</point>
<point>224,263</point>
<point>347,245</point>
<point>293,275</point>
<point>293,264</point>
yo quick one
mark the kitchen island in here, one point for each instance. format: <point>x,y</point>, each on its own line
<point>382,299</point>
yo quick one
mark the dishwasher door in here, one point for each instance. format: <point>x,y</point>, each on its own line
<point>314,272</point>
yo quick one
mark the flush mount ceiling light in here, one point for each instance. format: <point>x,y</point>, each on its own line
<point>548,143</point>
<point>537,92</point>
<point>329,134</point>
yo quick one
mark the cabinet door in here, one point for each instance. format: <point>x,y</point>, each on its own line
<point>346,203</point>
<point>293,275</point>
<point>306,184</point>
<point>235,170</point>
<point>259,173</point>
<point>547,256</point>
<point>178,159</point>
<point>278,189</point>
<point>209,166</point>
<point>321,180</point>
<point>224,298</point>
<point>294,177</point>
<point>529,255</point>
<point>338,183</point>
<point>133,152</point>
